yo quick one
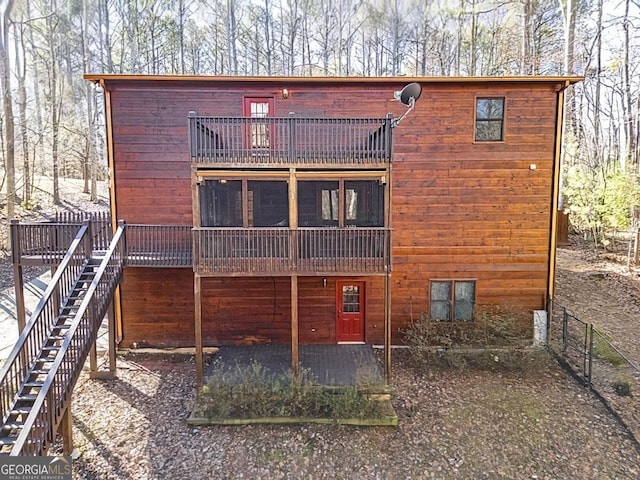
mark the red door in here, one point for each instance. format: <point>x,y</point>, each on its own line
<point>350,312</point>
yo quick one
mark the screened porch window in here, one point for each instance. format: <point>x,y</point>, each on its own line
<point>221,203</point>
<point>244,203</point>
<point>358,203</point>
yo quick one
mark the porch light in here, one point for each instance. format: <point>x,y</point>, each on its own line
<point>324,283</point>
<point>285,93</point>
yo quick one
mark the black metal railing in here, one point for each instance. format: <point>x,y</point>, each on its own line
<point>290,140</point>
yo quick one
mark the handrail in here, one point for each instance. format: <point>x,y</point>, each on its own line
<point>31,339</point>
<point>48,241</point>
<point>49,405</point>
<point>229,250</point>
<point>293,139</point>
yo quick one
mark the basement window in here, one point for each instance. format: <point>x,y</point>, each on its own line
<point>489,119</point>
<point>452,300</point>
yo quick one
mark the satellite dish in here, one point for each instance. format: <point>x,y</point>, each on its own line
<point>408,96</point>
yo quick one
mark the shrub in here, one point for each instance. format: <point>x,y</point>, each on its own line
<point>255,392</point>
<point>492,327</point>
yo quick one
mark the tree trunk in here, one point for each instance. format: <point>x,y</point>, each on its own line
<point>21,67</point>
<point>5,78</point>
<point>631,161</point>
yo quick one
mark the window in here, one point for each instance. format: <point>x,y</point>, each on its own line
<point>489,119</point>
<point>452,300</point>
<point>358,203</point>
<point>259,136</point>
<point>244,203</point>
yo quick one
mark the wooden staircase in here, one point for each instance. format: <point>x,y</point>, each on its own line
<point>38,378</point>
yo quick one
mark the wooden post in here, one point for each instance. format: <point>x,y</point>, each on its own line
<point>93,360</point>
<point>66,430</point>
<point>294,325</point>
<point>111,318</point>
<point>636,250</point>
<point>387,327</point>
<point>197,287</point>
<point>18,278</point>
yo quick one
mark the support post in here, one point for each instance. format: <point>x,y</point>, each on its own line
<point>66,430</point>
<point>18,277</point>
<point>636,250</point>
<point>93,359</point>
<point>111,318</point>
<point>197,287</point>
<point>294,326</point>
<point>387,328</point>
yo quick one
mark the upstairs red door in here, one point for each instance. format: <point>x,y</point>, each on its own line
<point>350,312</point>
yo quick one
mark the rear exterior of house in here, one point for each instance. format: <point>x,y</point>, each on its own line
<point>297,210</point>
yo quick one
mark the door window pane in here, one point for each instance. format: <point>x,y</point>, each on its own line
<point>350,299</point>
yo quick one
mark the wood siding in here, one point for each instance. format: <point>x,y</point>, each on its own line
<point>460,209</point>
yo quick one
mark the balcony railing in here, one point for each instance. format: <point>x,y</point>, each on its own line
<point>272,141</point>
<point>221,251</point>
<point>263,251</point>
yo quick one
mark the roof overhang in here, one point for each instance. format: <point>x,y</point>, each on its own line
<point>103,78</point>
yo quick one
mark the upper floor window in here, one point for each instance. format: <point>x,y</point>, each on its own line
<point>489,119</point>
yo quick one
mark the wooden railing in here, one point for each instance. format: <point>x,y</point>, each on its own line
<point>158,245</point>
<point>290,141</point>
<point>52,400</point>
<point>219,251</point>
<point>46,243</point>
<point>31,340</point>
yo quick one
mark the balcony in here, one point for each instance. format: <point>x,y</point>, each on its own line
<point>281,251</point>
<point>213,251</point>
<point>290,141</point>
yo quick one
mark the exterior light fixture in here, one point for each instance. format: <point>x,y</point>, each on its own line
<point>324,283</point>
<point>285,93</point>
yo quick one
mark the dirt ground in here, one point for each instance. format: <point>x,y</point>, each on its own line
<point>598,288</point>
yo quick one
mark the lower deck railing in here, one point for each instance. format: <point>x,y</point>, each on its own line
<point>223,251</point>
<point>281,250</point>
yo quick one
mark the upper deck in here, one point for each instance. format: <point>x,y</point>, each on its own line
<point>290,141</point>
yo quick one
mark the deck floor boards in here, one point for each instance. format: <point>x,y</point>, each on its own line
<point>332,365</point>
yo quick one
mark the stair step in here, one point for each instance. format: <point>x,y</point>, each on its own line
<point>21,410</point>
<point>11,425</point>
<point>62,326</point>
<point>56,338</point>
<point>28,397</point>
<point>33,384</point>
<point>7,441</point>
<point>51,348</point>
<point>39,371</point>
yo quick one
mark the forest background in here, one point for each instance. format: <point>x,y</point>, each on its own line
<point>52,120</point>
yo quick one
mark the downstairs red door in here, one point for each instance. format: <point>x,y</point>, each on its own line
<point>350,311</point>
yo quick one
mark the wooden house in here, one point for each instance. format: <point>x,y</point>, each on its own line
<point>300,211</point>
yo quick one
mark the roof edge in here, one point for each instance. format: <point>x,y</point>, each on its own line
<point>102,77</point>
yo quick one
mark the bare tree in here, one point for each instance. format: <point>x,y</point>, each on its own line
<point>9,127</point>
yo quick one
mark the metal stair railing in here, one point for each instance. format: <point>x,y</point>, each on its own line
<point>46,413</point>
<point>18,365</point>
